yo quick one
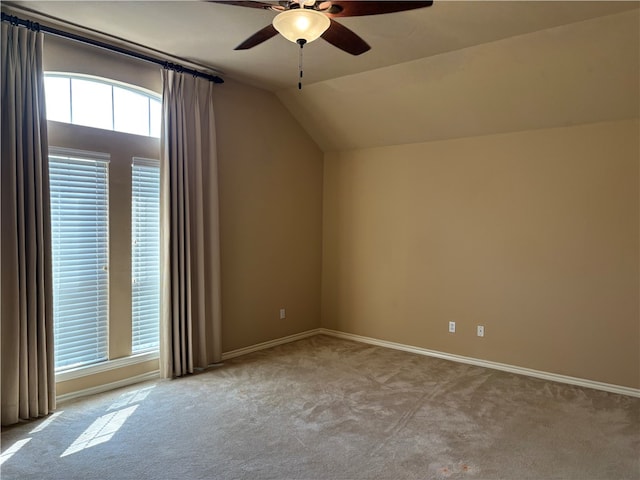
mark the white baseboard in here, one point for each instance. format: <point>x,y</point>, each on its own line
<point>554,377</point>
<point>270,343</point>
<point>109,386</point>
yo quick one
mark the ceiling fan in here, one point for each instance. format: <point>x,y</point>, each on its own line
<point>302,21</point>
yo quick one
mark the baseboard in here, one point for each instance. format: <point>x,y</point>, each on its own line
<point>581,382</point>
<point>270,343</point>
<point>554,377</point>
<point>108,386</point>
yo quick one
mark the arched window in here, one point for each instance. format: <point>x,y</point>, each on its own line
<point>102,103</point>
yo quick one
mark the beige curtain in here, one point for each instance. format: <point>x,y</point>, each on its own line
<point>27,377</point>
<point>191,311</point>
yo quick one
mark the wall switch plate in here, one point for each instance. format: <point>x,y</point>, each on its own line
<point>452,327</point>
<point>480,331</point>
<point>283,314</point>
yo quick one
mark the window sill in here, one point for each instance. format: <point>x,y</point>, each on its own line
<point>106,366</point>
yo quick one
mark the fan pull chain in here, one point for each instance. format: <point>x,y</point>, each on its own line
<point>300,42</point>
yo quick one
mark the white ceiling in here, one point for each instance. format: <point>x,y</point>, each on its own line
<point>207,33</point>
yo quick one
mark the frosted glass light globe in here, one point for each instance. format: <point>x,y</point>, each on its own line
<point>301,24</point>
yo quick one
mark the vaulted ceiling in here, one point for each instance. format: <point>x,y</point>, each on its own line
<point>432,73</point>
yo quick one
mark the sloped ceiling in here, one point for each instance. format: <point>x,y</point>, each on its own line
<point>455,69</point>
<point>580,73</point>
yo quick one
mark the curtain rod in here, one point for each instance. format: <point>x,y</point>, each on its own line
<point>96,43</point>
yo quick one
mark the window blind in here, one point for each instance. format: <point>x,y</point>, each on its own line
<point>145,261</point>
<point>80,255</point>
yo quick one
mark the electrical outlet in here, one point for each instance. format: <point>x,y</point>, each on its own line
<point>480,330</point>
<point>452,327</point>
<point>283,314</point>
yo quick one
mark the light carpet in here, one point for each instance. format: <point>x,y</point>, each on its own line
<point>325,408</point>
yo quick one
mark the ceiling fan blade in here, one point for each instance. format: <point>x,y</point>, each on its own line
<point>262,5</point>
<point>257,38</point>
<point>343,38</point>
<point>364,7</point>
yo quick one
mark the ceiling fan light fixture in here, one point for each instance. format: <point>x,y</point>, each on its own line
<point>301,24</point>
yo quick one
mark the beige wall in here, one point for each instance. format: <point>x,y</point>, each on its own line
<point>533,235</point>
<point>270,218</point>
<point>63,55</point>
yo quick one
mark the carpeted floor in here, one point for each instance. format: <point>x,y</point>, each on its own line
<point>324,408</point>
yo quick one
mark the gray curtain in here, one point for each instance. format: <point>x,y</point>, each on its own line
<point>190,246</point>
<point>27,377</point>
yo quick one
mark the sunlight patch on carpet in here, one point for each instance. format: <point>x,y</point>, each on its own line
<point>131,397</point>
<point>100,431</point>
<point>9,452</point>
<point>44,424</point>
